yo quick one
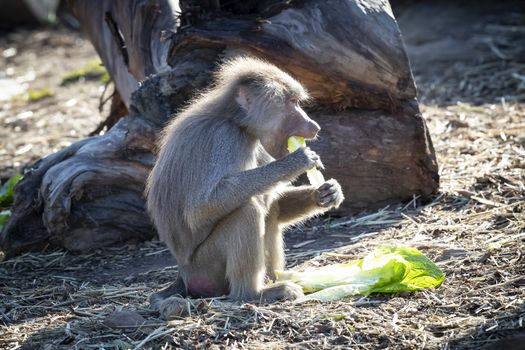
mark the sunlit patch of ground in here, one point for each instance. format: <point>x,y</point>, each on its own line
<point>38,61</point>
<point>474,229</point>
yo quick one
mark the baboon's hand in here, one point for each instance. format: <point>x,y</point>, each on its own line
<point>307,159</point>
<point>329,194</point>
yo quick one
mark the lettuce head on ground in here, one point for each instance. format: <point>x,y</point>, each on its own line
<point>386,270</point>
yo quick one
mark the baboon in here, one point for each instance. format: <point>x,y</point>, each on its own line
<point>220,193</point>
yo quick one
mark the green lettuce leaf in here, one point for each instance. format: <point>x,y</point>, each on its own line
<point>4,216</point>
<point>386,270</point>
<point>6,191</point>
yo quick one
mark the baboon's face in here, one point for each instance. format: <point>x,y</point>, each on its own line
<point>274,120</point>
<point>283,121</point>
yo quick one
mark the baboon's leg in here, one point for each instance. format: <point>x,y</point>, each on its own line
<point>245,266</point>
<point>232,260</point>
<point>273,244</point>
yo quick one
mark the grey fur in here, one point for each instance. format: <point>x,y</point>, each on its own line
<point>217,197</point>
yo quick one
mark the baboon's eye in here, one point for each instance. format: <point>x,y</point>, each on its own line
<point>294,101</point>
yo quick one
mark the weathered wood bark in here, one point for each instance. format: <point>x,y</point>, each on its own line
<point>348,53</point>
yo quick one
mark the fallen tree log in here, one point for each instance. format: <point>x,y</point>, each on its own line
<point>349,54</point>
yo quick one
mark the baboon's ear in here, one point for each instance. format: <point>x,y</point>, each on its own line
<point>244,98</point>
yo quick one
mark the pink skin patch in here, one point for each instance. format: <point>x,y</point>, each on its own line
<point>203,287</point>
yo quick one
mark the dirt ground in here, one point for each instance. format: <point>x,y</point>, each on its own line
<point>39,59</point>
<point>469,65</point>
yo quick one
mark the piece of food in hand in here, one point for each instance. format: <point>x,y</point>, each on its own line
<point>315,177</point>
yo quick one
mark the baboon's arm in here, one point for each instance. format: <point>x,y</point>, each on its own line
<point>232,191</point>
<point>298,203</point>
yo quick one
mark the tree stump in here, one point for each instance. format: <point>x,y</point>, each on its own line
<point>349,54</point>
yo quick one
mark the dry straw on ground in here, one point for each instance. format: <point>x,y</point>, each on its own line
<point>474,229</point>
